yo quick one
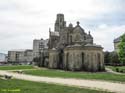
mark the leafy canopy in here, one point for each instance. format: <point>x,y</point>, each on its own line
<point>122,49</point>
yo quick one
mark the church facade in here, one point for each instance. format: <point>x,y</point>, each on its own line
<point>71,48</point>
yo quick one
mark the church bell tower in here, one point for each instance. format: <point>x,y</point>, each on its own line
<point>60,23</point>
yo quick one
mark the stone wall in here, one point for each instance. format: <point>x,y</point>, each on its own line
<point>87,58</point>
<point>53,58</point>
<point>78,58</point>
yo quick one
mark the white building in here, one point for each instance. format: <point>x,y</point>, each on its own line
<point>38,46</point>
<point>20,56</point>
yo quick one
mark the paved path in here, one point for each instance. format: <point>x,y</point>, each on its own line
<point>113,72</point>
<point>93,84</point>
<point>20,69</point>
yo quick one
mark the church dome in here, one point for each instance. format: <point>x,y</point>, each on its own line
<point>70,25</point>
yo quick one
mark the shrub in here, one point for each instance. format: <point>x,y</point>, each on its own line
<point>114,58</point>
<point>117,69</point>
<point>121,71</point>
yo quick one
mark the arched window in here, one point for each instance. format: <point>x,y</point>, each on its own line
<point>82,54</point>
<point>70,39</point>
<point>77,37</point>
<point>82,57</point>
<point>84,37</point>
<point>99,61</point>
<point>67,60</point>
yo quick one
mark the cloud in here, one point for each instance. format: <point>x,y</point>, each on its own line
<point>24,20</point>
<point>104,35</point>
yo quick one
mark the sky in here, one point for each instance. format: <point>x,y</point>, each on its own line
<point>21,21</point>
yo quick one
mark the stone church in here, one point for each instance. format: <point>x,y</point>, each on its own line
<point>71,48</point>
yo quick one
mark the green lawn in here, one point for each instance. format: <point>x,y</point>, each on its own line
<point>66,74</point>
<point>16,67</point>
<point>81,75</point>
<point>120,68</point>
<point>21,86</point>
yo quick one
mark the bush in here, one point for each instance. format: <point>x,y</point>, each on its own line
<point>111,58</point>
<point>107,58</point>
<point>114,59</point>
<point>117,69</point>
<point>121,71</point>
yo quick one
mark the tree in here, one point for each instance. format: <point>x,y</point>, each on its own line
<point>114,58</point>
<point>121,52</point>
<point>107,58</point>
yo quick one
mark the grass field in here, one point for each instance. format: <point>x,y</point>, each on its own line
<point>21,86</point>
<point>66,74</point>
<point>16,67</point>
<point>81,75</point>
